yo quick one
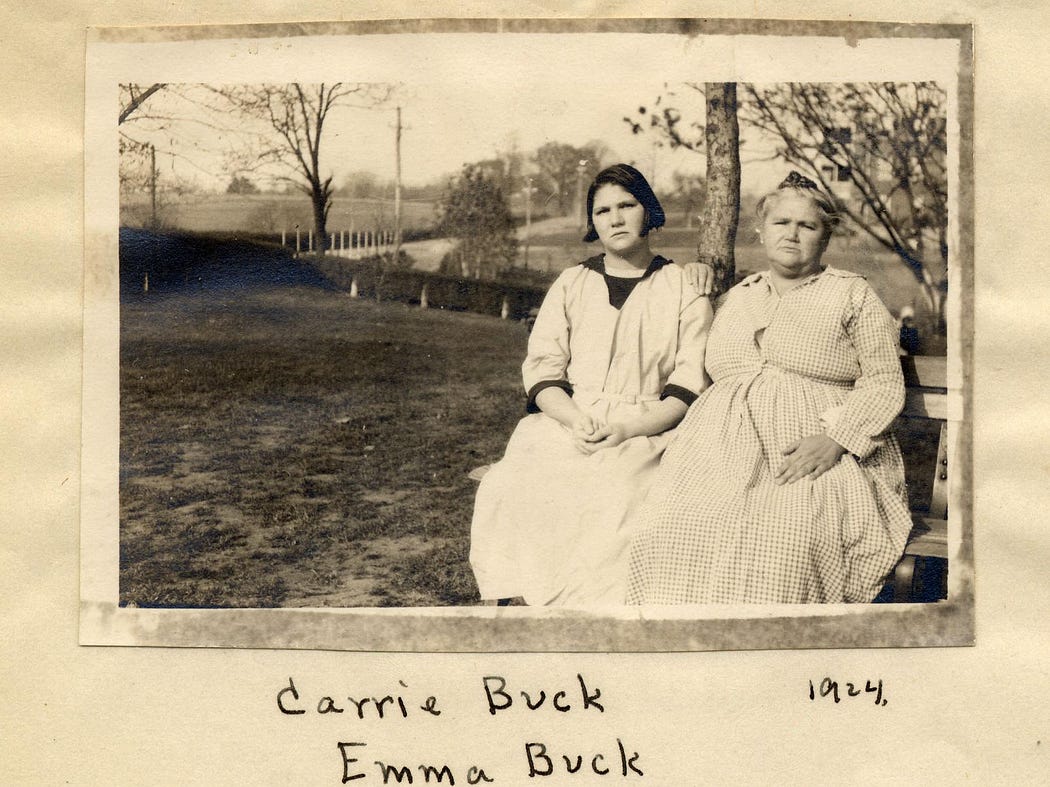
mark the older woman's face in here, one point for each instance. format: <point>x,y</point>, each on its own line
<point>793,235</point>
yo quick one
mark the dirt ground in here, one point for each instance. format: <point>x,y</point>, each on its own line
<point>295,447</point>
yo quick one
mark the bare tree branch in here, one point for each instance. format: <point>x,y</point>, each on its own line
<point>135,99</point>
<point>888,141</point>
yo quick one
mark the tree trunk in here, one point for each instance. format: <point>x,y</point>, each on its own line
<point>721,211</point>
<point>319,201</point>
<point>397,192</point>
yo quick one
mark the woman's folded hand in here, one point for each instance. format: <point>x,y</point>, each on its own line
<point>607,436</point>
<point>809,457</point>
<point>583,429</point>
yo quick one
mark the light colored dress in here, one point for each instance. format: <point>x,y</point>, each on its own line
<point>717,529</point>
<point>552,524</point>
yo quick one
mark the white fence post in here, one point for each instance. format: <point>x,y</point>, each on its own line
<point>424,303</point>
<point>353,287</point>
<point>504,311</point>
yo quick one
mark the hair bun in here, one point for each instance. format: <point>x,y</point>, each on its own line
<point>796,181</point>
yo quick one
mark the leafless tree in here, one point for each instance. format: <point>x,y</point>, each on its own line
<point>293,120</point>
<point>137,168</point>
<point>673,118</point>
<point>879,147</point>
<point>133,96</point>
<point>151,123</point>
<point>888,141</point>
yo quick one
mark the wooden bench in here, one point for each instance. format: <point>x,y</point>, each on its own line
<point>926,399</point>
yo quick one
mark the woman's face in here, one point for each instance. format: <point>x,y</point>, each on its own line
<point>618,219</point>
<point>793,235</point>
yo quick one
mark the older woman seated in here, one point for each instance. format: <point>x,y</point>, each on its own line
<point>782,483</point>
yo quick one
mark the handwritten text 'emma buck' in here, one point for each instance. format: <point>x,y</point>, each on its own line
<point>539,759</point>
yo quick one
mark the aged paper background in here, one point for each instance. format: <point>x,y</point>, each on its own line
<point>138,715</point>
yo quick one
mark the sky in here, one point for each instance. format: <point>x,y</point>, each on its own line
<point>459,108</point>
<point>447,125</point>
<point>464,97</point>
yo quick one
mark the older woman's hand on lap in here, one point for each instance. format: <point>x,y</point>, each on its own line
<point>809,457</point>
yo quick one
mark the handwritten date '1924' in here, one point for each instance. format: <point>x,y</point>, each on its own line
<point>832,688</point>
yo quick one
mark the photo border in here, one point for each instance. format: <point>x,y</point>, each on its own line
<point>510,629</point>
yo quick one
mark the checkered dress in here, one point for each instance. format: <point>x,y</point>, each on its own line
<point>716,528</point>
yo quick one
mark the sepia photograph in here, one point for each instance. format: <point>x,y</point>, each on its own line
<point>569,350</point>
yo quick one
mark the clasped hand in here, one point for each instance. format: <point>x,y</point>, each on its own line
<point>809,457</point>
<point>590,435</point>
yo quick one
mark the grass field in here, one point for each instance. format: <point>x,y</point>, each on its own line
<point>295,447</point>
<point>291,446</point>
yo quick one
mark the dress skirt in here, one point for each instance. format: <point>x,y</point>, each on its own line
<point>556,524</point>
<point>717,528</point>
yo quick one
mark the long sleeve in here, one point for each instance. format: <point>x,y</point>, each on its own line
<point>878,394</point>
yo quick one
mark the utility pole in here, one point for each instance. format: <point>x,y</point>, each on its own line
<point>153,185</point>
<point>652,171</point>
<point>397,189</point>
<point>528,218</point>
<point>581,220</point>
